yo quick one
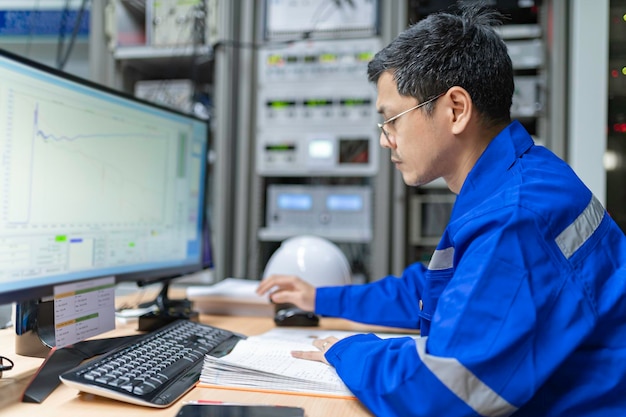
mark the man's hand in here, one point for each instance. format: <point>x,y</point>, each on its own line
<point>322,344</point>
<point>289,289</point>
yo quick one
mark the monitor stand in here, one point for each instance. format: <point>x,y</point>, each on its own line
<point>168,310</point>
<point>34,328</point>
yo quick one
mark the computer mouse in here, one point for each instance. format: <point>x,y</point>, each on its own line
<point>294,316</point>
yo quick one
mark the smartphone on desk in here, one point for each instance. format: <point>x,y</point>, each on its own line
<point>238,410</point>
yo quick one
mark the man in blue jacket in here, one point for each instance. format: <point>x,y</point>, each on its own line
<point>522,308</point>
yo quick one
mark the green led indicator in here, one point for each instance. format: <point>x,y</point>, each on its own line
<point>61,238</point>
<point>317,102</point>
<point>131,244</point>
<point>280,104</point>
<point>280,147</point>
<point>364,56</point>
<point>353,102</point>
<point>274,59</point>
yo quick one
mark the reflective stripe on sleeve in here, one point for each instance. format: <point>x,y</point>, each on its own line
<point>577,233</point>
<point>442,259</point>
<point>462,382</point>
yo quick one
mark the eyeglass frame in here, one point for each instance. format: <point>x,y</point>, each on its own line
<point>397,116</point>
<point>4,367</point>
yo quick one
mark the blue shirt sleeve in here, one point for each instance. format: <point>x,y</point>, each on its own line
<point>363,303</point>
<point>390,379</point>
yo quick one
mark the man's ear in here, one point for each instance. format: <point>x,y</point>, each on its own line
<point>462,108</point>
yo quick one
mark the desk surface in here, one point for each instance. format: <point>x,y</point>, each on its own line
<point>67,402</point>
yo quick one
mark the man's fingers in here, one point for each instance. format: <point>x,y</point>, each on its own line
<point>311,355</point>
<point>325,344</point>
<point>280,297</point>
<point>265,286</point>
<point>274,281</point>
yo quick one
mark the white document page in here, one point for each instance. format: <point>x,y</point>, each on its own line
<point>273,367</point>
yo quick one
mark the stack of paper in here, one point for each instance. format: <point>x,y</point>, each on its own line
<point>231,296</point>
<point>264,363</point>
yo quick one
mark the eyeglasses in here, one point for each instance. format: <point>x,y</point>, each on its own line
<point>3,367</point>
<point>391,119</point>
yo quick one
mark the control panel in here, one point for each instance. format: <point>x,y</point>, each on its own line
<point>338,212</point>
<point>316,110</point>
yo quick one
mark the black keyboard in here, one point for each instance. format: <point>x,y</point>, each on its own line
<point>156,369</point>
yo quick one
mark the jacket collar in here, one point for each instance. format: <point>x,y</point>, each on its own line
<point>491,168</point>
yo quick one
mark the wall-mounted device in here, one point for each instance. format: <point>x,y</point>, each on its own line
<point>526,97</point>
<point>177,94</point>
<point>337,212</point>
<point>526,54</point>
<point>428,217</point>
<point>300,19</point>
<point>316,111</point>
<point>175,22</point>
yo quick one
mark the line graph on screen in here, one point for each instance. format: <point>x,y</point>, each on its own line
<point>76,169</point>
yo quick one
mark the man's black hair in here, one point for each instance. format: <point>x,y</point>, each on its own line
<point>453,48</point>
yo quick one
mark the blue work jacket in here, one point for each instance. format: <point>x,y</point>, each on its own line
<point>522,308</point>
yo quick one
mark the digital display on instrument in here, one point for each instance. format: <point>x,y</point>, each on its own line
<point>354,151</point>
<point>291,201</point>
<point>321,149</point>
<point>344,202</point>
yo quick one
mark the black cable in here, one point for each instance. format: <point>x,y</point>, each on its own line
<point>320,15</point>
<point>62,59</point>
<point>256,46</point>
<point>61,39</point>
<point>315,18</point>
<point>236,44</point>
<point>31,28</point>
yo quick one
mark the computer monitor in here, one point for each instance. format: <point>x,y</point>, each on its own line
<point>93,183</point>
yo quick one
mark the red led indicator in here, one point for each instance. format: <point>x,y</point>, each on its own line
<point>619,127</point>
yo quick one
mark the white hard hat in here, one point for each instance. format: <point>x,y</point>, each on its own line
<point>314,259</point>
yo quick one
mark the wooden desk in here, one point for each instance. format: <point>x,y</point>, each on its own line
<point>67,402</point>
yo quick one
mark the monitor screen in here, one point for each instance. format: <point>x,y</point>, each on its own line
<point>93,183</point>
